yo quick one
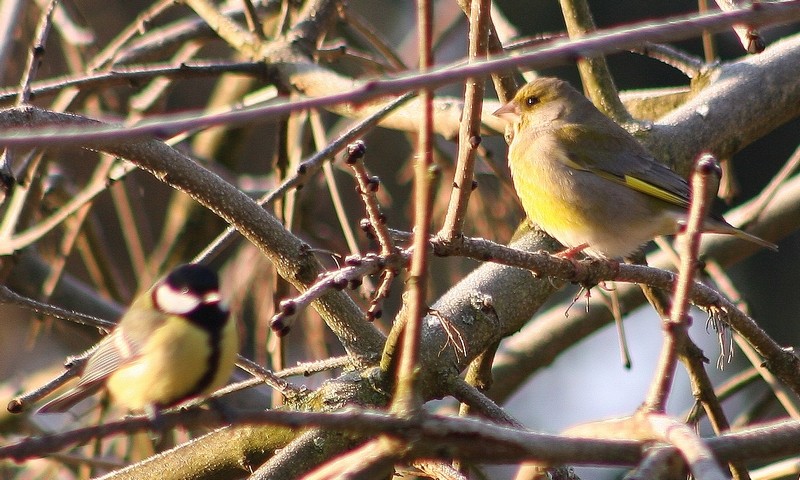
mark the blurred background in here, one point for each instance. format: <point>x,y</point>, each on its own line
<point>139,227</point>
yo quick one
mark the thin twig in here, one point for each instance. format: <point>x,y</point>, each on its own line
<point>251,17</point>
<point>483,405</point>
<point>375,224</point>
<point>367,187</point>
<point>688,65</point>
<point>266,376</point>
<point>656,400</point>
<point>132,75</point>
<point>131,231</point>
<point>348,276</point>
<point>361,26</point>
<point>406,398</point>
<point>505,83</point>
<point>595,75</point>
<point>23,402</point>
<point>11,297</point>
<point>709,47</point>
<point>309,368</point>
<point>318,132</point>
<point>134,28</point>
<point>74,366</point>
<point>469,132</point>
<point>36,53</point>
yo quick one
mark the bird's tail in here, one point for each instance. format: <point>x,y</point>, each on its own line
<point>69,399</point>
<point>721,226</point>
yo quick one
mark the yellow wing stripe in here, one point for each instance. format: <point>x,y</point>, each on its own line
<point>654,191</point>
<point>633,183</point>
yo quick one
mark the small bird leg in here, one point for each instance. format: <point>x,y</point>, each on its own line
<point>571,252</point>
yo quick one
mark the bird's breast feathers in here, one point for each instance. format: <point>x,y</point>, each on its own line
<point>171,363</point>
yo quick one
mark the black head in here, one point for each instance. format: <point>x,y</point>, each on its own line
<point>187,289</point>
<point>193,278</point>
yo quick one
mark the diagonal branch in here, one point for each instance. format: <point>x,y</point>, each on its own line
<point>292,258</point>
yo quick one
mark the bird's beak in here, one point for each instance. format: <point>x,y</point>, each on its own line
<point>212,297</point>
<point>510,112</point>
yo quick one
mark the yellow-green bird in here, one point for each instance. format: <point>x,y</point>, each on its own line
<point>177,341</point>
<point>586,181</point>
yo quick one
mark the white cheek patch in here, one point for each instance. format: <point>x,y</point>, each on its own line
<point>174,302</point>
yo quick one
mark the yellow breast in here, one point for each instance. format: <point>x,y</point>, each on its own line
<point>172,362</point>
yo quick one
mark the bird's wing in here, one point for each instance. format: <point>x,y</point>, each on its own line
<point>122,346</point>
<point>626,163</point>
<point>115,350</point>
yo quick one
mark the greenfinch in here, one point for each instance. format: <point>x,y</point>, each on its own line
<point>176,341</point>
<point>586,181</point>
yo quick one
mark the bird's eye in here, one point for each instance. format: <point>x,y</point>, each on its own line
<point>531,101</point>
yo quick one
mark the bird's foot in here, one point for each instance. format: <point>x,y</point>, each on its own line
<point>572,252</point>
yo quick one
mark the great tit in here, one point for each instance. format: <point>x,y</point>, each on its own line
<point>175,342</point>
